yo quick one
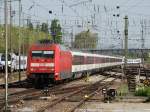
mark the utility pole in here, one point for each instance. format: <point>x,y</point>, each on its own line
<point>142,41</point>
<point>131,79</point>
<point>6,54</point>
<point>19,40</point>
<point>23,49</point>
<point>126,39</point>
<point>72,44</point>
<point>10,28</point>
<point>142,38</point>
<point>10,23</point>
<point>47,29</point>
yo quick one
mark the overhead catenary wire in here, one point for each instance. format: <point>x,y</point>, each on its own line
<point>124,4</point>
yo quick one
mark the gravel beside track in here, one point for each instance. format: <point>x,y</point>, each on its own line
<point>38,102</point>
<point>75,99</point>
<point>11,77</point>
<point>31,93</point>
<point>59,100</point>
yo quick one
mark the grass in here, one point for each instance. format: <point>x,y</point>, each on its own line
<point>123,90</point>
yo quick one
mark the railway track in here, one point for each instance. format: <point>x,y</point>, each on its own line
<point>13,81</point>
<point>78,93</point>
<point>24,95</point>
<point>17,84</point>
<point>18,96</point>
<point>81,102</point>
<point>29,93</point>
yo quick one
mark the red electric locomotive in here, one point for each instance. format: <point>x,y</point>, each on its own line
<point>53,62</point>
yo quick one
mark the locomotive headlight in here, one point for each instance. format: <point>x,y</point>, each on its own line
<point>52,69</point>
<point>49,64</point>
<point>32,69</point>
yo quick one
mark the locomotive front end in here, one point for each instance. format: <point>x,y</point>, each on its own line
<point>41,64</point>
<point>42,61</point>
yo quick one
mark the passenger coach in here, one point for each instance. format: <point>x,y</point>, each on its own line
<point>53,62</point>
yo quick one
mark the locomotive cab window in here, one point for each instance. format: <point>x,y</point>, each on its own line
<point>42,54</point>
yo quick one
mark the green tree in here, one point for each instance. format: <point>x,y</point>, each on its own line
<point>44,27</point>
<point>30,26</point>
<point>38,27</point>
<point>28,37</point>
<point>85,40</point>
<point>56,31</point>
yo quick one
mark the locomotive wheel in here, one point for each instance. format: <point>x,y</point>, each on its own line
<point>38,83</point>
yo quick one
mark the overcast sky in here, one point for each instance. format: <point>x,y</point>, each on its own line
<point>97,15</point>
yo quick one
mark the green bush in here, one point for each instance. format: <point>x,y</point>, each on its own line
<point>143,91</point>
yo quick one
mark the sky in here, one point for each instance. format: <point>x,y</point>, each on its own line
<point>100,16</point>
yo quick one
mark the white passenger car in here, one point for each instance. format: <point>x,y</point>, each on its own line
<point>13,62</point>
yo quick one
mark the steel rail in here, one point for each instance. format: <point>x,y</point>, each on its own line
<point>66,96</point>
<point>90,95</point>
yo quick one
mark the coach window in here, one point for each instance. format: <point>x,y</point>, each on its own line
<point>90,60</point>
<point>114,59</point>
<point>107,60</point>
<point>97,59</point>
<point>100,59</point>
<point>103,60</point>
<point>78,60</point>
<point>110,59</point>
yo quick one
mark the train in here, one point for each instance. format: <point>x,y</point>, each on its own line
<point>13,62</point>
<point>50,62</point>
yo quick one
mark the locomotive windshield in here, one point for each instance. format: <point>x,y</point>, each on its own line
<point>43,54</point>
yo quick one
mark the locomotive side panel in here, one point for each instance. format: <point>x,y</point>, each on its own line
<point>65,64</point>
